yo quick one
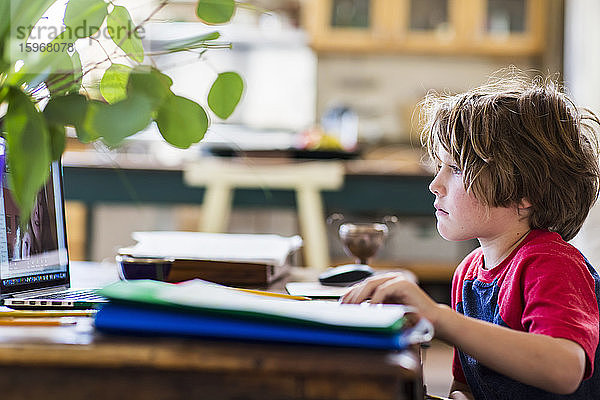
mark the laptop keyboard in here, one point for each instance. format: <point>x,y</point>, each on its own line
<point>84,294</point>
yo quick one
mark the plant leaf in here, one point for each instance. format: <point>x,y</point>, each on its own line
<point>181,121</point>
<point>183,44</point>
<point>57,141</point>
<point>151,83</point>
<point>77,72</point>
<point>18,17</point>
<point>60,66</point>
<point>115,122</point>
<point>225,94</point>
<point>53,67</point>
<point>28,150</point>
<point>4,21</point>
<point>70,110</point>
<point>83,18</point>
<point>113,85</point>
<point>215,11</point>
<point>122,31</point>
<point>24,14</point>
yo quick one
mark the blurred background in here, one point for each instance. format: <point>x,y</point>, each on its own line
<point>333,80</point>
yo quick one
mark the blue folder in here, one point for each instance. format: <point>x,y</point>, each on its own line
<point>124,318</point>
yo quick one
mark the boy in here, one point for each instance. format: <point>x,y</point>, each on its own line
<point>518,170</point>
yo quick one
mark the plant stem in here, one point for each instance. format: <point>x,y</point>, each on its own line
<point>162,4</point>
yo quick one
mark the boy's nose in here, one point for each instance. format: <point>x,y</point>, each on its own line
<point>435,186</point>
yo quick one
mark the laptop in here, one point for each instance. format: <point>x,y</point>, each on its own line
<point>34,262</point>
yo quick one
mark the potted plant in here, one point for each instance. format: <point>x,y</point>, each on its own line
<point>41,88</point>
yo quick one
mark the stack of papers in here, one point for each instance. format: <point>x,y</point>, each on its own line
<point>232,259</point>
<point>250,248</point>
<point>200,309</point>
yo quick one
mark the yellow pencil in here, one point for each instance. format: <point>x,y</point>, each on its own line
<point>36,322</point>
<point>46,314</point>
<point>253,291</point>
<point>271,294</point>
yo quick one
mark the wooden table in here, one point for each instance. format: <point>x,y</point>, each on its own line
<point>75,362</point>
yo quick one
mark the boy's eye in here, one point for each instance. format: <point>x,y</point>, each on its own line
<point>455,169</point>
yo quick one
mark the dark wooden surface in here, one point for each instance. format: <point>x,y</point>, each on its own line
<point>76,362</point>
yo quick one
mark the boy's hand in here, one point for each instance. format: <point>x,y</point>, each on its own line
<point>395,287</point>
<point>460,396</point>
<point>460,391</point>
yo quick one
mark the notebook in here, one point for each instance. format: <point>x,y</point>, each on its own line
<point>34,262</point>
<point>202,309</point>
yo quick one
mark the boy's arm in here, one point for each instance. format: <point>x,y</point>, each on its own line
<point>460,391</point>
<point>552,364</point>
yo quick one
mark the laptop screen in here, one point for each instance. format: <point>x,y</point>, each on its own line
<point>34,257</point>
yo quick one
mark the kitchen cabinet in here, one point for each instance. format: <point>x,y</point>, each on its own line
<point>494,27</point>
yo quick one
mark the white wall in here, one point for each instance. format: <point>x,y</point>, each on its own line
<point>582,78</point>
<point>383,89</point>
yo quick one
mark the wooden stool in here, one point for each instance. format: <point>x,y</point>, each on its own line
<point>307,179</point>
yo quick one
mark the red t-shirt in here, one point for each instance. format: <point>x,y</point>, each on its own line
<point>544,286</point>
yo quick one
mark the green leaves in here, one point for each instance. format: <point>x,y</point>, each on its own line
<point>70,110</point>
<point>23,15</point>
<point>135,96</point>
<point>83,18</point>
<point>225,94</point>
<point>113,85</point>
<point>65,70</point>
<point>151,83</point>
<point>181,122</point>
<point>5,21</point>
<point>77,73</point>
<point>57,141</point>
<point>122,31</point>
<point>117,121</point>
<point>215,11</point>
<point>56,68</point>
<point>193,42</point>
<point>28,145</point>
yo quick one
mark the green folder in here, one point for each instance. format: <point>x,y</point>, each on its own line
<point>207,298</point>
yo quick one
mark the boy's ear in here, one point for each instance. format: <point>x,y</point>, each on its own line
<point>524,204</point>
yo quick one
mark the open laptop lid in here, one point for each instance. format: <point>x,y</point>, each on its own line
<point>35,258</point>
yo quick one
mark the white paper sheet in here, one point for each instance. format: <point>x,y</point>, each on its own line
<point>251,248</point>
<point>197,293</point>
<point>315,290</point>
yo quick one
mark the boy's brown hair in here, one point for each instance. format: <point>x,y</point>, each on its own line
<point>516,139</point>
